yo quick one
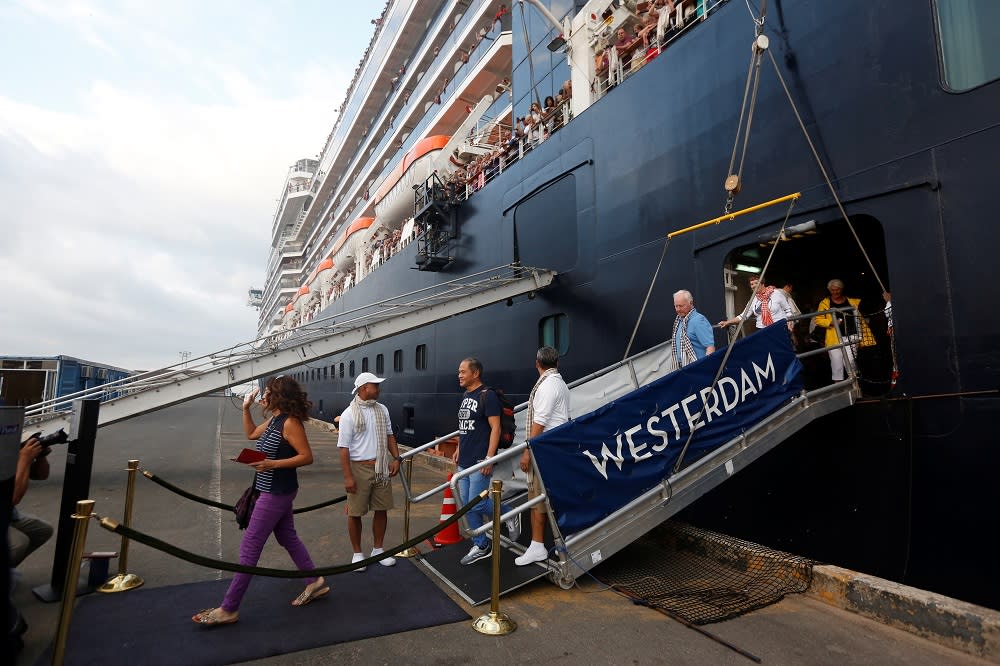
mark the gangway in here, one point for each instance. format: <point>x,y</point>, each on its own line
<point>574,546</point>
<point>313,341</point>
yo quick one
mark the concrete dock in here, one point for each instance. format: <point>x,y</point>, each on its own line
<point>190,445</point>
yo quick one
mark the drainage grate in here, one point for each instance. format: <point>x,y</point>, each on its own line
<point>703,576</point>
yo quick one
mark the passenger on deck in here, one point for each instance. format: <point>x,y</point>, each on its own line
<point>853,329</point>
<point>548,407</point>
<point>887,297</point>
<point>767,305</point>
<point>478,439</point>
<point>692,335</point>
<point>282,438</point>
<point>369,457</point>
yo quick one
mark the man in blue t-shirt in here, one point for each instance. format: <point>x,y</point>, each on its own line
<point>479,437</point>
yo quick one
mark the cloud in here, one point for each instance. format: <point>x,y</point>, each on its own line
<point>136,219</point>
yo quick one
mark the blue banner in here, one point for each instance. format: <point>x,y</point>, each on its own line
<point>599,462</point>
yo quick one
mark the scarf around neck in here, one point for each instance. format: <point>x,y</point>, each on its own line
<point>381,435</point>
<point>765,305</point>
<point>531,397</point>
<point>686,354</point>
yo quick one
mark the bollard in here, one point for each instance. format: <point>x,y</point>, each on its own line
<point>124,581</point>
<point>495,623</point>
<point>83,510</point>
<point>412,550</point>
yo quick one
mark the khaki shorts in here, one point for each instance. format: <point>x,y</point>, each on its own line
<point>369,496</point>
<point>534,490</point>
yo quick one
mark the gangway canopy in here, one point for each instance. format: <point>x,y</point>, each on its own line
<point>318,339</point>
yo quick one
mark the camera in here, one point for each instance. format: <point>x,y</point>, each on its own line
<point>57,437</point>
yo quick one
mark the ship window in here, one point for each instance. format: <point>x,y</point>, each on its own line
<point>364,364</point>
<point>351,369</point>
<point>397,360</point>
<point>969,50</point>
<point>554,332</point>
<point>324,372</point>
<point>379,364</point>
<point>421,357</point>
<point>341,370</point>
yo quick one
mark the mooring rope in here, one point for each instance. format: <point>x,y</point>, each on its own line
<point>228,507</point>
<point>195,558</point>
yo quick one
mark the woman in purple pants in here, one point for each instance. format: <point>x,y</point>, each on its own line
<point>282,438</point>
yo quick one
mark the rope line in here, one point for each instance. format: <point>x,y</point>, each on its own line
<point>649,292</point>
<point>739,333</point>
<point>195,558</point>
<point>228,507</point>
<point>826,176</point>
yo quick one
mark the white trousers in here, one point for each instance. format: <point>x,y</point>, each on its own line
<point>842,356</point>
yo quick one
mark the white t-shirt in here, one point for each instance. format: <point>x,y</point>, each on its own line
<point>550,406</point>
<point>362,446</point>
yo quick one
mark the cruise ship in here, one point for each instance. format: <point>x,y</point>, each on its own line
<point>574,136</point>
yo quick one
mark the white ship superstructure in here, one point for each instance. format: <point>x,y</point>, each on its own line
<point>428,67</point>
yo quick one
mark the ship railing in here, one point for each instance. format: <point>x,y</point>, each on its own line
<point>687,14</point>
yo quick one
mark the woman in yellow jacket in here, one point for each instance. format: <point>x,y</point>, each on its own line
<point>853,329</point>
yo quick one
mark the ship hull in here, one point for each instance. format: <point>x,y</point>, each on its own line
<point>893,486</point>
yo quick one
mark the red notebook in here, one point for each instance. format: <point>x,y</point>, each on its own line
<point>249,456</point>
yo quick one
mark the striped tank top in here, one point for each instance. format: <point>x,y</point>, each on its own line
<point>272,444</point>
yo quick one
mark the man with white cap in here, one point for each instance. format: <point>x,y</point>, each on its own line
<point>369,456</point>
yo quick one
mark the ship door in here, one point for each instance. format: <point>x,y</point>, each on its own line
<point>812,254</point>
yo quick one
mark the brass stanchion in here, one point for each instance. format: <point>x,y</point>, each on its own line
<point>82,516</point>
<point>125,581</point>
<point>495,623</point>
<point>412,550</point>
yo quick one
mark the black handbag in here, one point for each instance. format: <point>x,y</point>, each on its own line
<point>244,505</point>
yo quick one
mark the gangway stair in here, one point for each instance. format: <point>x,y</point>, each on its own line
<point>577,551</point>
<point>318,339</point>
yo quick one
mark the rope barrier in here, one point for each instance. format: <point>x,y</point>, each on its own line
<point>228,507</point>
<point>194,558</point>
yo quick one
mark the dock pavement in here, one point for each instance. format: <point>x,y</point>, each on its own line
<point>190,446</point>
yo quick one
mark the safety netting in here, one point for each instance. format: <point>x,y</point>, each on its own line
<point>702,576</point>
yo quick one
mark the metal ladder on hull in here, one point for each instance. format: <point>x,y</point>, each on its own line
<point>318,339</point>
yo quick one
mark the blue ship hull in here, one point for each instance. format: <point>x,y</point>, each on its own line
<point>892,487</point>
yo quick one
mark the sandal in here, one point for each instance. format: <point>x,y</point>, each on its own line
<point>310,594</point>
<point>207,618</point>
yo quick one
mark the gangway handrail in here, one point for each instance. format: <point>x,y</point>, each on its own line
<point>318,327</point>
<point>242,363</point>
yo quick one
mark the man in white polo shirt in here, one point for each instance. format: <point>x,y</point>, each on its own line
<point>369,457</point>
<point>548,407</point>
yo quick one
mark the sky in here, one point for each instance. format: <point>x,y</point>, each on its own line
<point>143,148</point>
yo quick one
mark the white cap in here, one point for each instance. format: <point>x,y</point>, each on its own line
<point>366,378</point>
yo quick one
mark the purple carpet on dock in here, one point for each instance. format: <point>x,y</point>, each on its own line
<point>153,625</point>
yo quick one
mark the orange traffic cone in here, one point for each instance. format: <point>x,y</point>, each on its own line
<point>449,534</point>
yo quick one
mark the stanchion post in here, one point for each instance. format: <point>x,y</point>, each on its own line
<point>495,623</point>
<point>81,519</point>
<point>125,581</point>
<point>412,550</point>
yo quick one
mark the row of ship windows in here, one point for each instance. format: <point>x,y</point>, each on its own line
<point>553,331</point>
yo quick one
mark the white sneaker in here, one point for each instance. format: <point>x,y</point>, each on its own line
<point>357,558</point>
<point>387,562</point>
<point>514,527</point>
<point>536,553</point>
